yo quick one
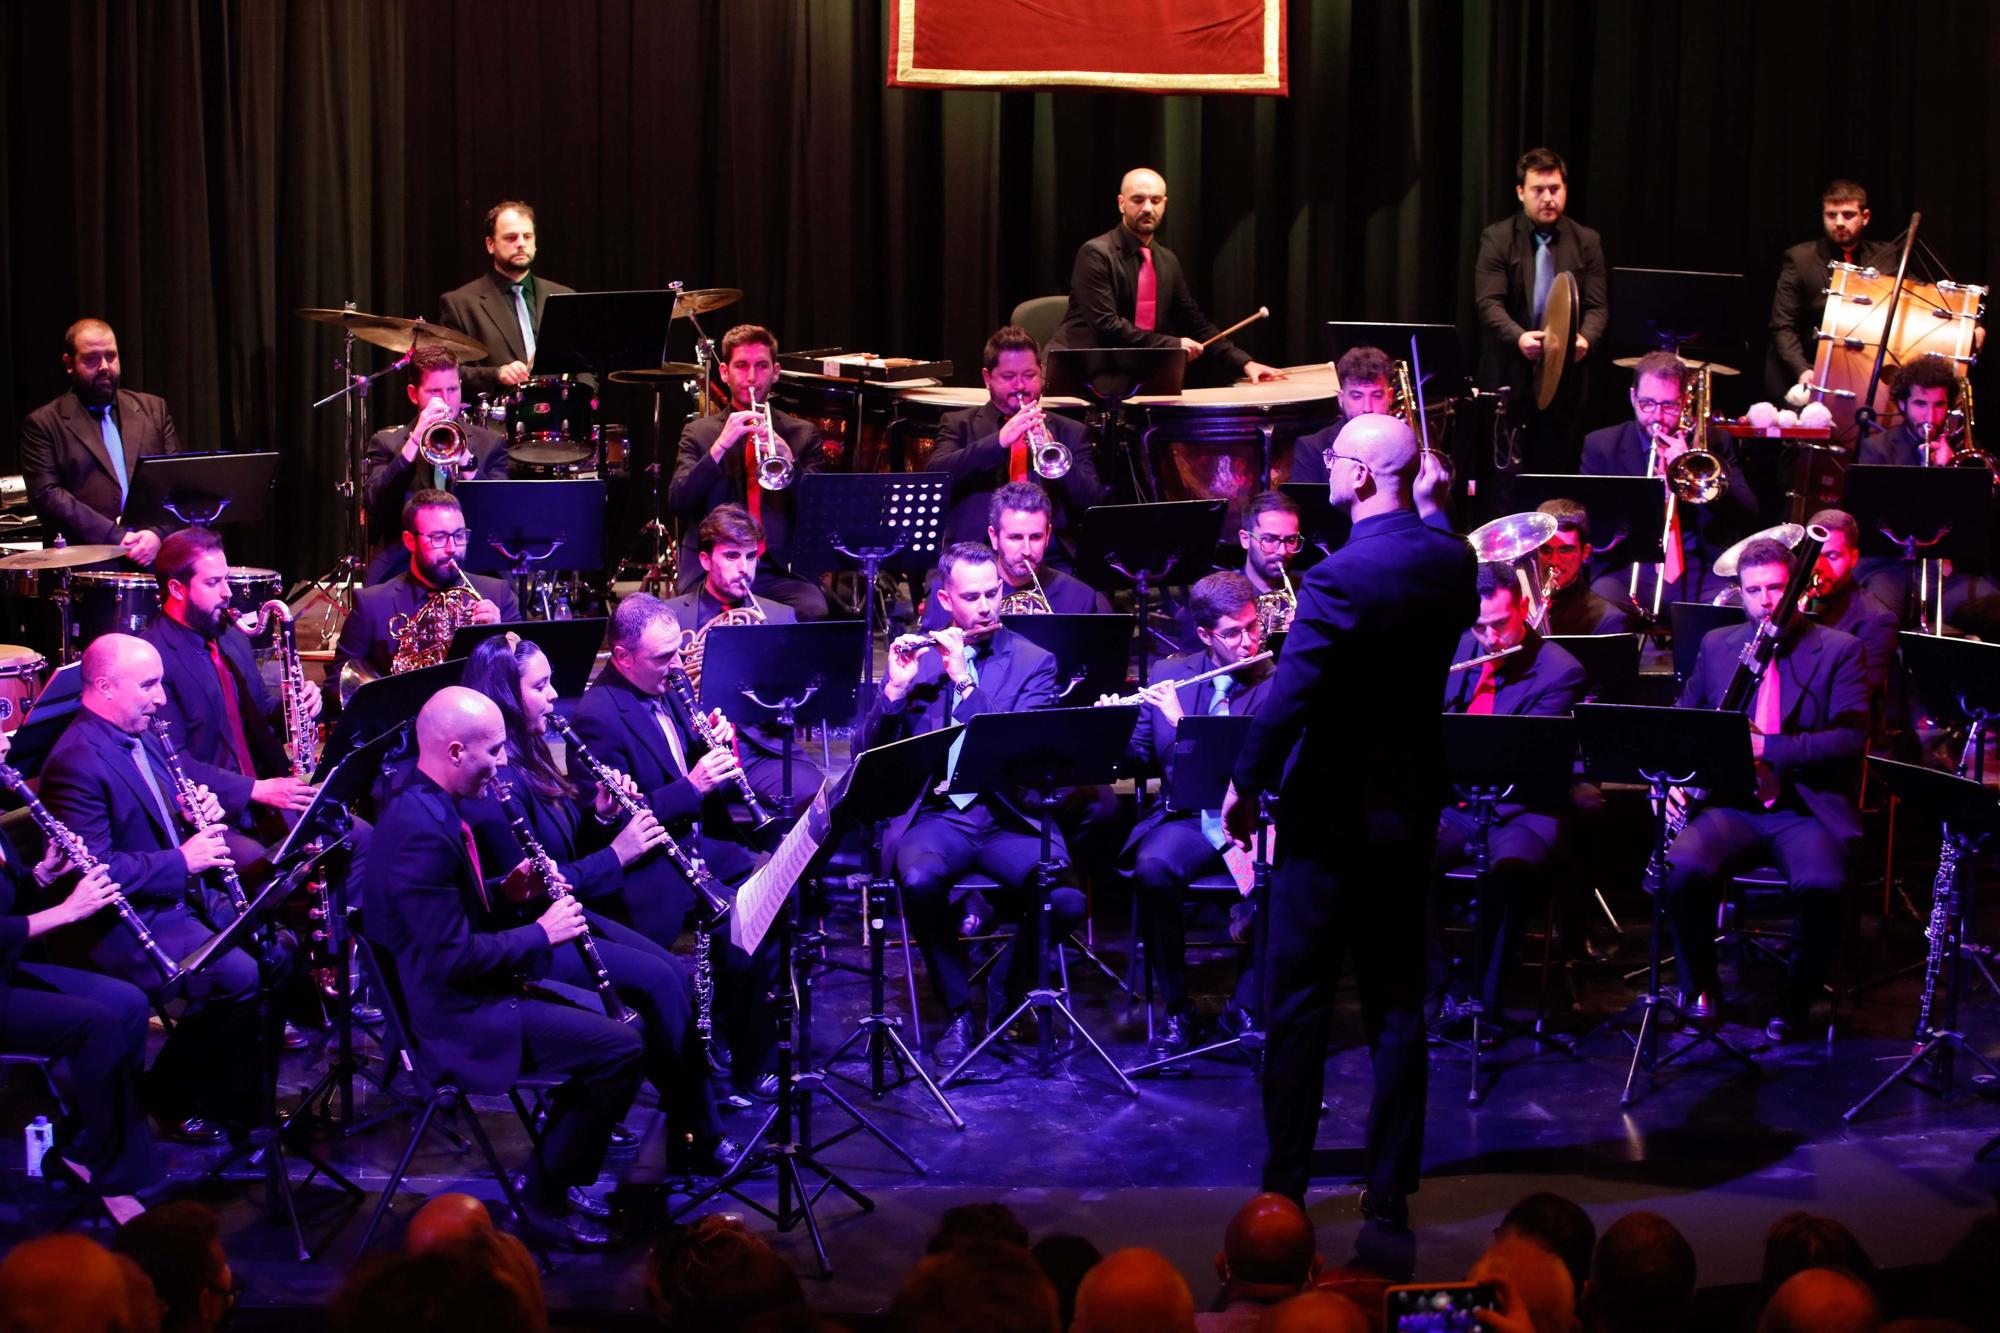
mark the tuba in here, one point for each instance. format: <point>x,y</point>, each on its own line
<point>696,646</point>
<point>1028,601</point>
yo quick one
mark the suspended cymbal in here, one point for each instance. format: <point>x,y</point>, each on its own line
<point>1791,534</point>
<point>702,301</point>
<point>397,334</point>
<point>1714,367</point>
<point>62,557</point>
<point>1508,538</point>
<point>662,377</point>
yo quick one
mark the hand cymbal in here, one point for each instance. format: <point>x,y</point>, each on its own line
<point>661,377</point>
<point>702,301</point>
<point>397,334</point>
<point>61,557</point>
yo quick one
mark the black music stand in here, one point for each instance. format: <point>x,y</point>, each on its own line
<point>598,332</point>
<point>870,521</point>
<point>1692,622</point>
<point>1628,515</point>
<point>1664,749</point>
<point>519,528</point>
<point>1968,815</point>
<point>570,645</point>
<point>1091,651</point>
<point>1696,315</point>
<point>781,676</point>
<point>1039,752</point>
<point>198,490</point>
<point>1146,544</point>
<point>1324,525</point>
<point>1921,514</point>
<point>382,705</point>
<point>1489,758</point>
<point>1610,664</point>
<point>1106,378</point>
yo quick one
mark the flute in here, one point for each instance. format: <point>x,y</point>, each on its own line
<point>1481,660</point>
<point>911,644</point>
<point>552,883</point>
<point>1120,699</point>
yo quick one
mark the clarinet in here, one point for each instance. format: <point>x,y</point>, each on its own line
<point>60,835</point>
<point>190,800</point>
<point>1944,891</point>
<point>545,866</point>
<point>684,686</point>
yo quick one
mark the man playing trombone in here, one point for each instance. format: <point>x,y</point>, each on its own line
<point>401,458</point>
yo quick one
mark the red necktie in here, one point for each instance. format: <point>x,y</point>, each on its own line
<point>1483,692</point>
<point>1767,715</point>
<point>1847,256</point>
<point>756,496</point>
<point>1146,312</point>
<point>472,854</point>
<point>232,710</point>
<point>1017,458</point>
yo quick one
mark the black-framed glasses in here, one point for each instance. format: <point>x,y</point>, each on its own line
<point>438,541</point>
<point>1272,541</point>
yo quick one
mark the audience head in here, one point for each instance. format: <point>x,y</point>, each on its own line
<point>458,1287</point>
<point>1538,1277</point>
<point>1965,1276</point>
<point>983,1284</point>
<point>1641,1276</point>
<point>1133,1291</point>
<point>179,1247</point>
<point>1798,1241</point>
<point>1314,1312</point>
<point>1065,1259</point>
<point>1559,1226</point>
<point>1267,1251</point>
<point>446,1220</point>
<point>715,1274</point>
<point>1821,1300</point>
<point>976,1221</point>
<point>70,1284</point>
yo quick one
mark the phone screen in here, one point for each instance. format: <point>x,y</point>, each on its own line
<point>1445,1307</point>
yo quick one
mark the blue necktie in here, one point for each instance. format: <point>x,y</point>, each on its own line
<point>527,320</point>
<point>114,445</point>
<point>961,799</point>
<point>1545,272</point>
<point>160,803</point>
<point>1211,820</point>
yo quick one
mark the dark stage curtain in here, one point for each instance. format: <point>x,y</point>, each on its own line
<point>193,170</point>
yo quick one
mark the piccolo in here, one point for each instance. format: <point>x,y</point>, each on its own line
<point>1482,659</point>
<point>1191,680</point>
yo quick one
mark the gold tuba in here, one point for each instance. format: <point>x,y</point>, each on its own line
<point>696,645</point>
<point>1697,476</point>
<point>1028,601</point>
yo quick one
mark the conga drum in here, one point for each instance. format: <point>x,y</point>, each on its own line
<point>23,672</point>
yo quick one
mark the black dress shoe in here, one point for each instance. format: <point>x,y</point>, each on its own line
<point>588,1204</point>
<point>624,1138</point>
<point>956,1039</point>
<point>195,1130</point>
<point>1176,1038</point>
<point>566,1230</point>
<point>764,1090</point>
<point>1391,1212</point>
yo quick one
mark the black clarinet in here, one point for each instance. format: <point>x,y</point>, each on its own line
<point>552,883</point>
<point>61,835</point>
<point>683,685</point>
<point>190,799</point>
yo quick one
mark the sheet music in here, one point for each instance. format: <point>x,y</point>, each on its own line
<point>763,895</point>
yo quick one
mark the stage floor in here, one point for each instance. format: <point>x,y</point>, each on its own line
<point>1719,1147</point>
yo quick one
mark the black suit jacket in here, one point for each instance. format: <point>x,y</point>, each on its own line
<point>1542,680</point>
<point>364,636</point>
<point>1309,452</point>
<point>387,480</point>
<point>1503,291</point>
<point>1578,610</point>
<point>1859,612</point>
<point>483,310</point>
<point>1824,697</point>
<point>694,608</point>
<point>970,452</point>
<point>17,890</point>
<point>1622,450</point>
<point>67,470</point>
<point>1348,733</point>
<point>1067,594</point>
<point>424,905</point>
<point>700,483</point>
<point>195,713</point>
<point>1799,304</point>
<point>1104,295</point>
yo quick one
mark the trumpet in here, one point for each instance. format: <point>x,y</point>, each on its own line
<point>1050,457</point>
<point>772,455</point>
<point>442,444</point>
<point>552,884</point>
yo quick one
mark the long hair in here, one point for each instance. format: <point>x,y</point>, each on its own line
<point>495,671</point>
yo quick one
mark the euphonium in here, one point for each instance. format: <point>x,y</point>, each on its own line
<point>1276,608</point>
<point>1697,476</point>
<point>1028,601</point>
<point>1049,456</point>
<point>773,455</point>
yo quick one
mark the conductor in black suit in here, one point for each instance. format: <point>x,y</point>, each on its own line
<point>986,447</point>
<point>394,465</point>
<point>1799,303</point>
<point>1127,290</point>
<point>973,666</point>
<point>1018,529</point>
<point>502,308</point>
<point>1347,738</point>
<point>435,539</point>
<point>427,907</point>
<point>79,450</point>
<point>1808,727</point>
<point>1536,679</point>
<point>1519,258</point>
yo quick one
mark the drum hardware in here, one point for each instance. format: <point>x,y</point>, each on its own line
<point>60,556</point>
<point>702,300</point>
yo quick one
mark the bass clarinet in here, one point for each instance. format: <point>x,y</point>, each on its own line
<point>552,883</point>
<point>300,728</point>
<point>190,802</point>
<point>60,835</point>
<point>684,686</point>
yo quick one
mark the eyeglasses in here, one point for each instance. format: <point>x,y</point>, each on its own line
<point>1330,453</point>
<point>438,541</point>
<point>1235,633</point>
<point>1655,405</point>
<point>1272,541</point>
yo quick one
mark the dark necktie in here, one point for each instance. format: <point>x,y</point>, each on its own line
<point>161,806</point>
<point>232,710</point>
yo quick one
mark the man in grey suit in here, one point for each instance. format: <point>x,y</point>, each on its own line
<point>502,308</point>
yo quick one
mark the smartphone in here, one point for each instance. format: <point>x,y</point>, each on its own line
<point>1440,1307</point>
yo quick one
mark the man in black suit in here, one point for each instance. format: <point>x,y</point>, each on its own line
<point>1345,736</point>
<point>1925,392</point>
<point>502,308</point>
<point>1367,384</point>
<point>1575,607</point>
<point>1537,679</point>
<point>984,448</point>
<point>1518,260</point>
<point>1631,448</point>
<point>1127,290</point>
<point>977,667</point>
<point>426,907</point>
<point>1169,850</point>
<point>434,537</point>
<point>107,779</point>
<point>714,467</point>
<point>1840,603</point>
<point>394,465</point>
<point>635,723</point>
<point>731,543</point>
<point>1018,529</point>
<point>1808,726</point>
<point>1800,301</point>
<point>79,450</point>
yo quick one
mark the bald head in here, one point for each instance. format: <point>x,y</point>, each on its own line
<point>1315,1312</point>
<point>461,739</point>
<point>1269,1242</point>
<point>1538,1278</point>
<point>1142,202</point>
<point>448,1219</point>
<point>1143,180</point>
<point>69,1284</point>
<point>1385,444</point>
<point>1134,1291</point>
<point>454,713</point>
<point>1821,1300</point>
<point>121,681</point>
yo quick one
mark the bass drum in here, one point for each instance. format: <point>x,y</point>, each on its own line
<point>1229,444</point>
<point>550,462</point>
<point>23,672</point>
<point>105,601</point>
<point>1932,319</point>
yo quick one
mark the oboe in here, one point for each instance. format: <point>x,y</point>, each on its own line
<point>60,835</point>
<point>684,686</point>
<point>190,799</point>
<point>552,883</point>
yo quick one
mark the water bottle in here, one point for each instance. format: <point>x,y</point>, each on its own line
<point>41,1141</point>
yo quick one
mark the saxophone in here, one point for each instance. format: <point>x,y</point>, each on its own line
<point>552,883</point>
<point>301,731</point>
<point>1276,608</point>
<point>696,646</point>
<point>1028,601</point>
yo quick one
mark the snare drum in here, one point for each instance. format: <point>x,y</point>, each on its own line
<point>1932,319</point>
<point>544,411</point>
<point>251,586</point>
<point>104,601</point>
<point>23,671</point>
<point>1228,444</point>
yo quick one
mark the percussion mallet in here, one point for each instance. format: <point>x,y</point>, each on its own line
<point>1263,311</point>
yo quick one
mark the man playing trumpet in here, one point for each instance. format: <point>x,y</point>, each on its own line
<point>396,461</point>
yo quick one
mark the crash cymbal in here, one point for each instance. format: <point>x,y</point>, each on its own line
<point>657,378</point>
<point>1559,322</point>
<point>62,557</point>
<point>1791,534</point>
<point>1714,367</point>
<point>1507,539</point>
<point>397,334</point>
<point>704,300</point>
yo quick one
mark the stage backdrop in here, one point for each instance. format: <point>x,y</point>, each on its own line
<point>193,170</point>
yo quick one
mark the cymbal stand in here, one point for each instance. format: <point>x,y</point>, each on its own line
<point>342,583</point>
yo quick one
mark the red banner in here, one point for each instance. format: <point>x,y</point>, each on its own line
<point>1142,46</point>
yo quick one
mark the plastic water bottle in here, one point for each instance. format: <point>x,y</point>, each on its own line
<point>41,1140</point>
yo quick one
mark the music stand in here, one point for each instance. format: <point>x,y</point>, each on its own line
<point>1042,751</point>
<point>570,645</point>
<point>1692,622</point>
<point>1324,525</point>
<point>598,332</point>
<point>1106,378</point>
<point>1677,310</point>
<point>782,676</point>
<point>198,490</point>
<point>1090,651</point>
<point>1628,515</point>
<point>1664,749</point>
<point>870,521</point>
<point>382,705</point>
<point>1921,515</point>
<point>1145,544</point>
<point>520,526</point>
<point>1958,680</point>
<point>1610,664</point>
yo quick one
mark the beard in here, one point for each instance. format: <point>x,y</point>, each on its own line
<point>209,624</point>
<point>97,389</point>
